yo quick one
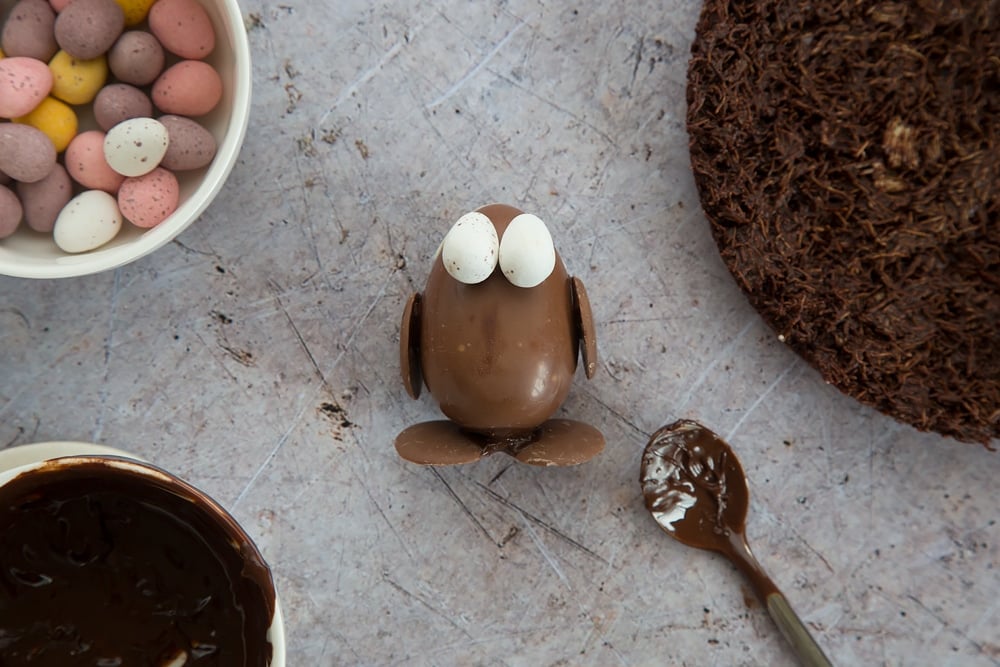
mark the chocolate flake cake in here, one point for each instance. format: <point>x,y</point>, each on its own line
<point>846,154</point>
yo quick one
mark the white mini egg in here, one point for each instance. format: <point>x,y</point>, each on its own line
<point>136,146</point>
<point>527,255</point>
<point>469,250</point>
<point>88,221</point>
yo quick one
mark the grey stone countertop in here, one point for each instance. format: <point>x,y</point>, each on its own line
<point>257,357</point>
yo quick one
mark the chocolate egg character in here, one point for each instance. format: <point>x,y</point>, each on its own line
<point>495,337</point>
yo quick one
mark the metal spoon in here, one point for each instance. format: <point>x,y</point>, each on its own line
<point>695,488</point>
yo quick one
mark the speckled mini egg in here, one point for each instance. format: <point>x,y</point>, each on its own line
<point>527,255</point>
<point>189,88</point>
<point>56,119</point>
<point>10,212</point>
<point>87,28</point>
<point>469,249</point>
<point>119,102</point>
<point>191,145</point>
<point>147,200</point>
<point>77,81</point>
<point>26,154</point>
<point>28,30</point>
<point>183,27</point>
<point>135,147</point>
<point>42,200</point>
<point>24,83</point>
<point>136,58</point>
<point>86,165</point>
<point>135,10</point>
<point>88,221</point>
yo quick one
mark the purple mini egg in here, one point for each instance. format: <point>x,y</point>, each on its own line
<point>86,29</point>
<point>26,154</point>
<point>137,58</point>
<point>42,200</point>
<point>118,102</point>
<point>10,212</point>
<point>191,145</point>
<point>28,31</point>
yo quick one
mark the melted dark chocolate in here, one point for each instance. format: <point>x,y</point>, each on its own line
<point>99,566</point>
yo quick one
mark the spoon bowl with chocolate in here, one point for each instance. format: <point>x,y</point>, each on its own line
<point>695,488</point>
<point>108,561</point>
<point>495,337</point>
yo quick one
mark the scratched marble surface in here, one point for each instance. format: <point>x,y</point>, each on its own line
<point>256,357</point>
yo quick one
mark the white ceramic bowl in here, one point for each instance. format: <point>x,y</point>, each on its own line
<point>29,254</point>
<point>17,461</point>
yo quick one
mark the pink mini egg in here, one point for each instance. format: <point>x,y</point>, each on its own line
<point>44,199</point>
<point>189,88</point>
<point>24,83</point>
<point>183,27</point>
<point>87,165</point>
<point>147,200</point>
<point>10,212</point>
<point>59,5</point>
<point>28,31</point>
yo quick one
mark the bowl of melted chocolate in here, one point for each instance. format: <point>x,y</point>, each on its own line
<point>110,562</point>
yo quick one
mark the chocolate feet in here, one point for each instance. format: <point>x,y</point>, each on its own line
<point>557,442</point>
<point>561,442</point>
<point>438,443</point>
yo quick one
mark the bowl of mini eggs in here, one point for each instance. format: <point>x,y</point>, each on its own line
<point>120,121</point>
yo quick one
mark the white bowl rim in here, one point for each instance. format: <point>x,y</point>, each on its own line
<point>100,260</point>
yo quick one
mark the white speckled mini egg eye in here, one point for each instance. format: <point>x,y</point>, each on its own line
<point>88,221</point>
<point>135,147</point>
<point>527,255</point>
<point>469,250</point>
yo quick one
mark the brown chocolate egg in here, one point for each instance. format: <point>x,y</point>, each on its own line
<point>495,337</point>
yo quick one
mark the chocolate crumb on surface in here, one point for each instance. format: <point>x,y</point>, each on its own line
<point>847,157</point>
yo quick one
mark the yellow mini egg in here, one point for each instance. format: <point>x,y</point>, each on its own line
<point>1,53</point>
<point>56,119</point>
<point>77,81</point>
<point>135,10</point>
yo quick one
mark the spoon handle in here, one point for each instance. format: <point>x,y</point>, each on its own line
<point>791,626</point>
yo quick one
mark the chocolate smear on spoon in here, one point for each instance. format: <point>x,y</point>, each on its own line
<point>695,488</point>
